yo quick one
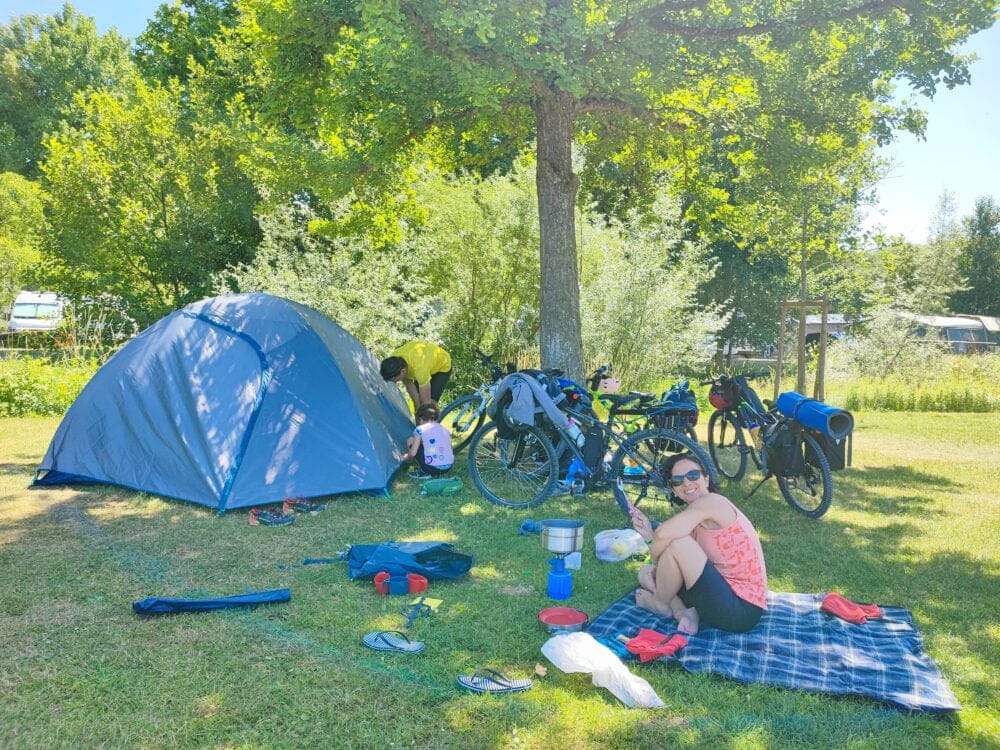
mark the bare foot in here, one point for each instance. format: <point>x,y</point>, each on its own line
<point>688,621</point>
<point>647,600</point>
<point>647,577</point>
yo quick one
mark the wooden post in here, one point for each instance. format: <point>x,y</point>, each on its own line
<point>820,384</point>
<point>781,350</point>
<point>802,306</point>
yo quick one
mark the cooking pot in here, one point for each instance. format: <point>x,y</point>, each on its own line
<point>559,620</point>
<point>562,536</point>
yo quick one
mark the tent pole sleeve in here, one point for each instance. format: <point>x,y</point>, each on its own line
<point>265,380</point>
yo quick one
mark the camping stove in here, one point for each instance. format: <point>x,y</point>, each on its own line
<point>563,537</point>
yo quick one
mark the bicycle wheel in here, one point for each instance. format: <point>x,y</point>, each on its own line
<point>516,472</point>
<point>810,492</point>
<point>462,417</point>
<point>727,445</point>
<point>635,466</point>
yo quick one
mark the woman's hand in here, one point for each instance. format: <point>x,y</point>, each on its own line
<point>641,523</point>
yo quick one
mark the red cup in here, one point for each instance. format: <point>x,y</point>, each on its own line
<point>382,582</point>
<point>418,583</point>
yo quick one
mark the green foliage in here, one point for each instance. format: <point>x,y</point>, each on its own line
<point>886,345</point>
<point>890,394</point>
<point>979,261</point>
<point>378,294</point>
<point>886,366</point>
<point>44,62</point>
<point>181,36</point>
<point>480,239</point>
<point>21,225</point>
<point>797,93</point>
<point>42,387</point>
<point>945,382</point>
<point>639,297</point>
<point>144,203</point>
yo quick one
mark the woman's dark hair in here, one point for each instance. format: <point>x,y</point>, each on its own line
<point>391,367</point>
<point>427,412</point>
<point>668,464</point>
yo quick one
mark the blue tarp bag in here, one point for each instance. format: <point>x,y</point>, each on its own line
<point>433,560</point>
<point>832,422</point>
<point>159,605</point>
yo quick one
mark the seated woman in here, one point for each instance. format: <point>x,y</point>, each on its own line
<point>708,565</point>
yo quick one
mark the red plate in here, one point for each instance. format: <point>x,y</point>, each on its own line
<point>562,617</point>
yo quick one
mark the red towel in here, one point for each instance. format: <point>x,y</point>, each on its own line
<point>650,644</point>
<point>845,609</point>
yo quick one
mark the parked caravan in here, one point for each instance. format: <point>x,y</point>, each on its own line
<point>964,334</point>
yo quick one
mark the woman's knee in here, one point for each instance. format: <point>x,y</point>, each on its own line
<point>684,547</point>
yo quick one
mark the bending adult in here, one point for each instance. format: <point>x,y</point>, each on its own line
<point>708,565</point>
<point>422,367</point>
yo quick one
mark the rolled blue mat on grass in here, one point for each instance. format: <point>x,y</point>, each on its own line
<point>795,645</point>
<point>158,605</point>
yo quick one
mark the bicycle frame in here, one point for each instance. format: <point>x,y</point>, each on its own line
<point>803,475</point>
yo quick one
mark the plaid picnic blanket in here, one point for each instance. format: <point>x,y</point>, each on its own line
<point>796,645</point>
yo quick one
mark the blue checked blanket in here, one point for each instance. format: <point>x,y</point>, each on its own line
<point>796,645</point>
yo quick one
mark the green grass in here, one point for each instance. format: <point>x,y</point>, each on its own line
<point>914,523</point>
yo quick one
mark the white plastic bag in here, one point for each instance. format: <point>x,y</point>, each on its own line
<point>615,545</point>
<point>581,652</point>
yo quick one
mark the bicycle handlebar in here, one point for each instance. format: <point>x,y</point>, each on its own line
<point>723,377</point>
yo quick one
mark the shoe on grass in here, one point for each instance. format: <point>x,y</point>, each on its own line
<point>301,505</point>
<point>562,487</point>
<point>419,474</point>
<point>261,517</point>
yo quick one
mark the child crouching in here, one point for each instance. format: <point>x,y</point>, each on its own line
<point>430,444</point>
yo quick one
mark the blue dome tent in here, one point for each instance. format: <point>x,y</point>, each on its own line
<point>231,402</point>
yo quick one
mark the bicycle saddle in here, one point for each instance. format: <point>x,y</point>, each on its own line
<point>620,399</point>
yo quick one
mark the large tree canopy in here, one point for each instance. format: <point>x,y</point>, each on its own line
<point>43,63</point>
<point>369,79</point>
<point>144,203</point>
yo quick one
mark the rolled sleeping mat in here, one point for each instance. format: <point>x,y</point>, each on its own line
<point>833,422</point>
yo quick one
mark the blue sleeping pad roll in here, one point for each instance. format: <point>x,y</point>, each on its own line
<point>832,421</point>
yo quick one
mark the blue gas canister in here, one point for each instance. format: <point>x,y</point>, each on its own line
<point>560,580</point>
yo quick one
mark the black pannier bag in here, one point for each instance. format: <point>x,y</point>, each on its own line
<point>837,452</point>
<point>783,449</point>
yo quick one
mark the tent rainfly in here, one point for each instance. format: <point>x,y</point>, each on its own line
<point>231,402</point>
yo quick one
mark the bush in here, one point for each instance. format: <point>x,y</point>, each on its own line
<point>35,386</point>
<point>948,383</point>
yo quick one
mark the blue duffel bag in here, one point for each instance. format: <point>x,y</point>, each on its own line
<point>830,421</point>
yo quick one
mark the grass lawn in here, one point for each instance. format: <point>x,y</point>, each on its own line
<point>915,523</point>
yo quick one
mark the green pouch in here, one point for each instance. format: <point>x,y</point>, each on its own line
<point>441,486</point>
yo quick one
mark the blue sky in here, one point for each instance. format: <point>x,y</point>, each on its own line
<point>961,152</point>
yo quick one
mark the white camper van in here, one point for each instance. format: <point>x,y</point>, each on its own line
<point>35,311</point>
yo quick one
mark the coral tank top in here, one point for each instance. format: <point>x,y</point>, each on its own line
<point>736,553</point>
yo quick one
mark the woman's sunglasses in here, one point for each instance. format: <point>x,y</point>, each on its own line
<point>692,476</point>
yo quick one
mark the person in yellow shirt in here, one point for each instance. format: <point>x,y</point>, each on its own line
<point>422,367</point>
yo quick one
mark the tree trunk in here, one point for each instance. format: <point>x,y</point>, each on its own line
<point>560,340</point>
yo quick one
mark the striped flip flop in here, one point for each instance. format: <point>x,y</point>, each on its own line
<point>488,681</point>
<point>392,640</point>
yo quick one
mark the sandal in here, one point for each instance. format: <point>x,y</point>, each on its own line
<point>488,681</point>
<point>392,640</point>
